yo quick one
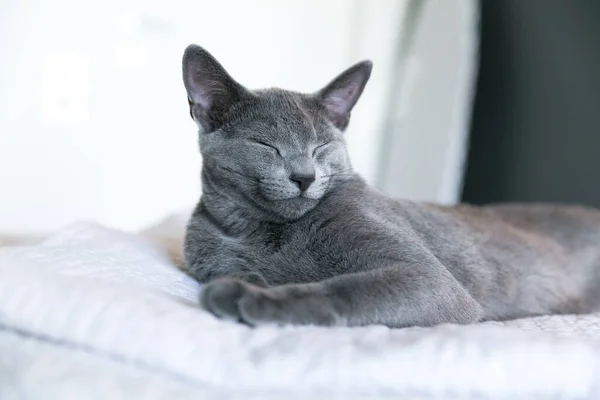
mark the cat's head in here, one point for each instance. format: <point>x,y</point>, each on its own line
<point>276,150</point>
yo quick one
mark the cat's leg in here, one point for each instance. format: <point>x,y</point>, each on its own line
<point>205,272</point>
<point>397,297</point>
<point>252,277</point>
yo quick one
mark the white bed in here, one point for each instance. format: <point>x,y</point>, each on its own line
<point>92,313</point>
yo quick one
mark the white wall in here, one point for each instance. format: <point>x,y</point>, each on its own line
<point>426,133</point>
<point>93,117</point>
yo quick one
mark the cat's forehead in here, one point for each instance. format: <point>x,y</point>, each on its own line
<point>278,114</point>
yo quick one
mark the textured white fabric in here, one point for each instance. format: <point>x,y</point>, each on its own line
<point>95,313</point>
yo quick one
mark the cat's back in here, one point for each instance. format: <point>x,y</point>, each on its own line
<point>571,226</point>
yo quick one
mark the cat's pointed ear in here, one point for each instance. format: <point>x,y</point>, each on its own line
<point>211,91</point>
<point>340,96</point>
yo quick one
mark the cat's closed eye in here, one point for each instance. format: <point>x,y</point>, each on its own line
<point>320,147</point>
<point>266,146</point>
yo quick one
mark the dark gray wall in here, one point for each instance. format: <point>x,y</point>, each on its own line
<point>535,133</point>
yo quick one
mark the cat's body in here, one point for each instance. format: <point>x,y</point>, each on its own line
<point>286,233</point>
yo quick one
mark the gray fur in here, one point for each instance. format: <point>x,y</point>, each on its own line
<point>342,253</point>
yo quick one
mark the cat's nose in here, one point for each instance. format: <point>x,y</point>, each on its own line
<point>302,172</point>
<point>303,180</point>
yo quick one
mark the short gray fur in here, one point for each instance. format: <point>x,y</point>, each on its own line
<point>286,233</point>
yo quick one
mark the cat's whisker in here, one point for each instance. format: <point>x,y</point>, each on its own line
<point>339,175</point>
<point>345,172</point>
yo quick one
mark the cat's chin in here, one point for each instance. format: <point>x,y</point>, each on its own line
<point>293,208</point>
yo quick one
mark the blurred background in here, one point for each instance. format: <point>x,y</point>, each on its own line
<point>497,100</point>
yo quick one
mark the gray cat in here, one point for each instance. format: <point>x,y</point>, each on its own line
<point>287,233</point>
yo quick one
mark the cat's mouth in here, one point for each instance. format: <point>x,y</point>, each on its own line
<point>309,196</point>
<point>275,194</point>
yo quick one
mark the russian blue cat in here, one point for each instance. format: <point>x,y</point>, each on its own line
<point>286,233</point>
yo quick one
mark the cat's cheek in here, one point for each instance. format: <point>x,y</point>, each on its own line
<point>320,171</point>
<point>318,188</point>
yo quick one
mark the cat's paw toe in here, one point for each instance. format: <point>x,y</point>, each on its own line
<point>233,299</point>
<point>221,298</point>
<point>257,308</point>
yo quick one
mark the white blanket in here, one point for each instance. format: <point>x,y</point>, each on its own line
<point>95,313</point>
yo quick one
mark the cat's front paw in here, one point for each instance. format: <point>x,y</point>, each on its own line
<point>237,300</point>
<point>220,297</point>
<point>234,299</point>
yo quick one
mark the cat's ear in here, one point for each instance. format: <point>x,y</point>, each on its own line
<point>211,91</point>
<point>340,96</point>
